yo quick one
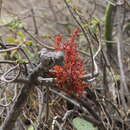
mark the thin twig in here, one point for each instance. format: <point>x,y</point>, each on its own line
<point>3,79</point>
<point>84,106</point>
<point>7,62</point>
<point>9,49</point>
<point>35,39</point>
<point>34,21</point>
<point>19,103</point>
<point>120,19</point>
<point>1,1</point>
<point>84,33</point>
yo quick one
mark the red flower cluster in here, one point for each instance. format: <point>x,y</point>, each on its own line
<point>69,75</point>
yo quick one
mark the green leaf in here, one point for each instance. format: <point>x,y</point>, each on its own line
<point>21,35</point>
<point>95,21</point>
<point>12,40</point>
<point>3,54</point>
<point>68,1</point>
<point>21,60</point>
<point>117,77</point>
<point>30,127</point>
<point>85,26</point>
<point>93,28</point>
<point>28,42</point>
<point>46,35</point>
<point>81,124</point>
<point>13,53</point>
<point>15,25</point>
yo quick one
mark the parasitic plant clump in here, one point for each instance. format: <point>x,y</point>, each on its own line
<point>69,75</point>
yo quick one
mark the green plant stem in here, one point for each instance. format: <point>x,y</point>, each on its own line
<point>109,25</point>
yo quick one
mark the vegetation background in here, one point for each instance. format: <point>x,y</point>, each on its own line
<point>29,98</point>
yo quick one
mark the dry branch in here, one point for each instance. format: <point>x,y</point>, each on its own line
<point>48,59</point>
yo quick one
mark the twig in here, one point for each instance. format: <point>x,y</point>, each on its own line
<point>47,61</point>
<point>84,106</point>
<point>66,116</point>
<point>9,49</point>
<point>3,79</point>
<point>55,122</point>
<point>34,21</point>
<point>47,104</point>
<point>7,62</point>
<point>0,7</point>
<point>21,49</point>
<point>90,77</point>
<point>120,19</point>
<point>35,39</point>
<point>84,33</point>
<point>14,97</point>
<point>40,104</point>
<point>52,10</point>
